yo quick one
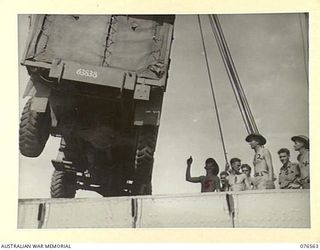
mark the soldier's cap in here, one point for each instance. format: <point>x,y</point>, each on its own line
<point>303,139</point>
<point>257,137</point>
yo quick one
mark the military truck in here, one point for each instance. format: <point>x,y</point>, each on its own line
<point>97,82</point>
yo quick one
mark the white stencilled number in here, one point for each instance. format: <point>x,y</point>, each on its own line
<point>87,73</point>
<point>78,72</point>
<point>93,74</point>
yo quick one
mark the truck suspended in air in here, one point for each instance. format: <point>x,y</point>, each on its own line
<point>96,81</point>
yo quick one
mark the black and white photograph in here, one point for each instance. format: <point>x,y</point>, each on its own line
<point>164,121</point>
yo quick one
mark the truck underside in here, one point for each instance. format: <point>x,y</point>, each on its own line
<point>100,150</point>
<point>106,108</point>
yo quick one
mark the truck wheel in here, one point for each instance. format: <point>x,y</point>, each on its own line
<point>34,131</point>
<point>147,139</point>
<point>63,184</point>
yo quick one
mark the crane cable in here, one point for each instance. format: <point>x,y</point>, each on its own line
<point>242,112</point>
<point>305,44</point>
<point>212,91</point>
<point>234,79</point>
<point>229,66</point>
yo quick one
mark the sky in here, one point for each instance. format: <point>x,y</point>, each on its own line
<point>269,55</point>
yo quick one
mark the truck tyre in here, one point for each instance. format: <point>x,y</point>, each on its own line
<point>34,131</point>
<point>63,184</point>
<point>146,146</point>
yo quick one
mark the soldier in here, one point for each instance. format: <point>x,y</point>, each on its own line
<point>237,181</point>
<point>210,182</point>
<point>289,172</point>
<point>301,144</point>
<point>262,162</point>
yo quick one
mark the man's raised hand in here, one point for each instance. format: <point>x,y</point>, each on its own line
<point>189,161</point>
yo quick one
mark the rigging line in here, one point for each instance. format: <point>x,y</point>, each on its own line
<point>238,82</point>
<point>304,48</point>
<point>229,75</point>
<point>233,74</point>
<point>232,78</point>
<point>223,56</point>
<point>212,91</point>
<point>244,102</point>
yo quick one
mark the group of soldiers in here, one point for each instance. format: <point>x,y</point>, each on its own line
<point>237,176</point>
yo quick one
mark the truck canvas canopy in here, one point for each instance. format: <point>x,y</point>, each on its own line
<point>136,43</point>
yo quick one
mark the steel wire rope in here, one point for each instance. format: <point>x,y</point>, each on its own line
<point>212,91</point>
<point>304,46</point>
<point>247,106</point>
<point>233,82</point>
<point>244,100</point>
<point>237,82</point>
<point>223,56</point>
<point>234,73</point>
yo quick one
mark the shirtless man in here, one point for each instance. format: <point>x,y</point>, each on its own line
<point>262,163</point>
<point>210,182</point>
<point>301,144</point>
<point>223,181</point>
<point>237,181</point>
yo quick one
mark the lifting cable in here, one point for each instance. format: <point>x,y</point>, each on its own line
<point>233,75</point>
<point>212,91</point>
<point>305,44</point>
<point>230,77</point>
<point>229,66</point>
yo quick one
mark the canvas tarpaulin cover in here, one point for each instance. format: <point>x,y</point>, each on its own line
<point>137,43</point>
